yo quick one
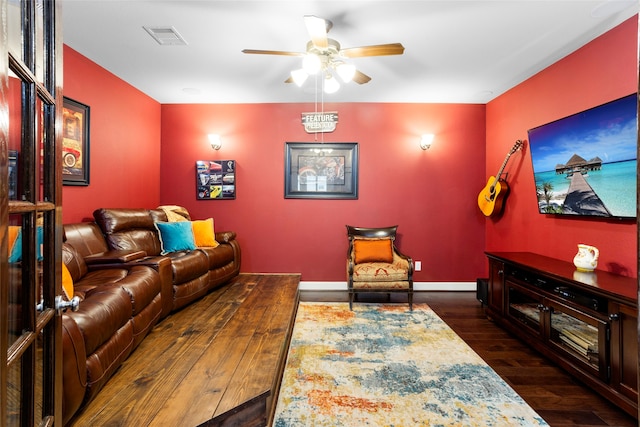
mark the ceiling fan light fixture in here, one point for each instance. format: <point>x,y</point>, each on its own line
<point>331,84</point>
<point>346,71</point>
<point>311,63</point>
<point>299,76</point>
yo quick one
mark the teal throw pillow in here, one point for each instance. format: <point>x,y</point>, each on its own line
<point>16,250</point>
<point>175,236</point>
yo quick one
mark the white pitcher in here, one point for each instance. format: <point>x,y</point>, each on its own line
<point>587,257</point>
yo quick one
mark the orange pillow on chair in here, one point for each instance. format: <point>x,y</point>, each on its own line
<point>373,251</point>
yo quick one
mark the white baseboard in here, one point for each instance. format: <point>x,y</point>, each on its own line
<point>417,286</point>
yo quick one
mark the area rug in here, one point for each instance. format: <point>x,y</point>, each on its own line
<point>383,365</point>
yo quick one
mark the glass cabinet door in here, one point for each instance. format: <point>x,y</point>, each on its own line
<point>582,337</point>
<point>526,308</point>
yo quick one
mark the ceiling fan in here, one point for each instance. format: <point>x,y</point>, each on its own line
<point>326,55</point>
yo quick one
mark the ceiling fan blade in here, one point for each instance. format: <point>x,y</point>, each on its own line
<point>272,52</point>
<point>375,50</point>
<point>289,80</point>
<point>361,78</point>
<point>317,29</point>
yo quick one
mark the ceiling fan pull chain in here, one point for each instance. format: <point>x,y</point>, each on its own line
<point>315,134</point>
<point>322,106</point>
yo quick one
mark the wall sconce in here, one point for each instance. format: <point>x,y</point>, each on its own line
<point>426,141</point>
<point>215,141</point>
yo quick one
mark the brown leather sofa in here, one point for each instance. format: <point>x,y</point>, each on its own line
<point>125,288</point>
<point>119,304</point>
<point>194,272</point>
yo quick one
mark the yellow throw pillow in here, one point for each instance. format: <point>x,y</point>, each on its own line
<point>13,236</point>
<point>204,233</point>
<point>373,251</point>
<point>67,282</point>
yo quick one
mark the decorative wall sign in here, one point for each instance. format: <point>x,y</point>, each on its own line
<point>215,179</point>
<point>321,171</point>
<point>75,143</point>
<point>320,122</point>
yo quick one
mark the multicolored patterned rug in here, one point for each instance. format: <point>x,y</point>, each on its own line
<point>383,365</point>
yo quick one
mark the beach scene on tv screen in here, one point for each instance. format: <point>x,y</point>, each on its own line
<point>585,164</point>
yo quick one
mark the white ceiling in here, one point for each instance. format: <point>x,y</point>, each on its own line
<point>455,51</point>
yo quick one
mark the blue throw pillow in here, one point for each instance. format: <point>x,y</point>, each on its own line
<point>175,236</point>
<point>16,250</point>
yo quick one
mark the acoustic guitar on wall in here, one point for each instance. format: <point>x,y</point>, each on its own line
<point>491,198</point>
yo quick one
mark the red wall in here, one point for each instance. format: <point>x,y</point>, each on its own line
<point>143,154</point>
<point>431,194</point>
<point>124,141</point>
<point>603,70</point>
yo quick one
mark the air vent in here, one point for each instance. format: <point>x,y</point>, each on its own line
<point>166,36</point>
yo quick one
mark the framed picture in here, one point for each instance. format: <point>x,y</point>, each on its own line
<point>321,171</point>
<point>75,143</point>
<point>215,179</point>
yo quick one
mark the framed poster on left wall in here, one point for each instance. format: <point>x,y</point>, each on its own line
<point>75,143</point>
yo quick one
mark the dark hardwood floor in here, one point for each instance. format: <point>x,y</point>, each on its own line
<point>559,398</point>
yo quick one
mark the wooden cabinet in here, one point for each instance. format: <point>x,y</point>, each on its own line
<point>624,349</point>
<point>496,285</point>
<point>585,322</point>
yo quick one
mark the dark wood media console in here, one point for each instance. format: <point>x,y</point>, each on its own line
<point>584,322</point>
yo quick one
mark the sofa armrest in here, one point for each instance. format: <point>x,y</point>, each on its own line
<point>74,368</point>
<point>225,236</point>
<point>114,257</point>
<point>162,265</point>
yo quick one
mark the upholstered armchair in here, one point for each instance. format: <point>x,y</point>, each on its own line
<point>374,264</point>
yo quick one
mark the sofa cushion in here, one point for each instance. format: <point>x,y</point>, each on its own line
<point>14,230</point>
<point>74,262</point>
<point>219,256</point>
<point>67,282</point>
<point>175,236</point>
<point>86,238</point>
<point>188,265</point>
<point>94,280</point>
<point>203,233</point>
<point>130,229</point>
<point>143,285</point>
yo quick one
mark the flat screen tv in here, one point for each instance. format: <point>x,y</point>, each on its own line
<point>585,164</point>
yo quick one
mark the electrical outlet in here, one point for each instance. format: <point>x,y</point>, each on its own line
<point>418,265</point>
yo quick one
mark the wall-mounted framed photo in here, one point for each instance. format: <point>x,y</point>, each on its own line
<point>215,179</point>
<point>321,171</point>
<point>75,143</point>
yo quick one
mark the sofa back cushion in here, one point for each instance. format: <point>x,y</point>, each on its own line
<point>86,238</point>
<point>74,262</point>
<point>129,229</point>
